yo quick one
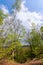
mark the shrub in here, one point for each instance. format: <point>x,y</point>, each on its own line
<point>21,55</point>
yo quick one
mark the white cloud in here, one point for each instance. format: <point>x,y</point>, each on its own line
<point>4,9</point>
<point>28,17</point>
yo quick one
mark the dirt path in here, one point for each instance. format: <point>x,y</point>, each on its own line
<point>9,62</point>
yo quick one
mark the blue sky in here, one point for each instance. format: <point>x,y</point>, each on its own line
<point>7,3</point>
<point>31,11</point>
<point>33,5</point>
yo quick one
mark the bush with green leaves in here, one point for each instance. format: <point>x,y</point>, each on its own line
<point>36,43</point>
<point>20,55</point>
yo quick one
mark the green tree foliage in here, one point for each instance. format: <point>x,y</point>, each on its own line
<point>17,5</point>
<point>21,54</point>
<point>35,42</point>
<point>11,33</point>
<point>41,30</point>
<point>2,16</point>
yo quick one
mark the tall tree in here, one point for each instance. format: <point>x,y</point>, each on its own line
<point>13,30</point>
<point>35,42</point>
<point>41,30</point>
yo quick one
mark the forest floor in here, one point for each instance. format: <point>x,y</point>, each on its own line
<point>10,62</point>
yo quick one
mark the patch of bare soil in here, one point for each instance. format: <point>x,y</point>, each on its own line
<point>36,62</point>
<point>10,62</point>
